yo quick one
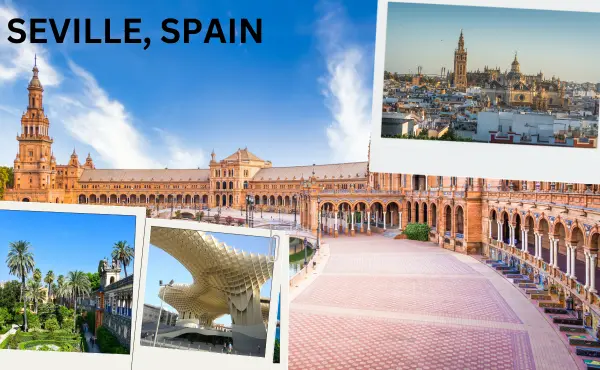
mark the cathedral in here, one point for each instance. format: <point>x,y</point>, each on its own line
<point>509,88</point>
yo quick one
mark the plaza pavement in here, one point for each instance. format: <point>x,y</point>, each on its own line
<point>379,303</point>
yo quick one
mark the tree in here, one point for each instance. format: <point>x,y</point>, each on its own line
<point>10,295</point>
<point>5,316</point>
<point>178,214</point>
<point>217,218</point>
<point>60,280</point>
<point>51,324</point>
<point>148,213</point>
<point>68,324</point>
<point>94,279</point>
<point>34,292</point>
<point>49,279</point>
<point>124,253</point>
<point>37,275</point>
<point>79,284</point>
<point>199,216</point>
<point>6,179</point>
<point>20,263</point>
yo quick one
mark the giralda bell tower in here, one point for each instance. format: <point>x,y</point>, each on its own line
<point>460,64</point>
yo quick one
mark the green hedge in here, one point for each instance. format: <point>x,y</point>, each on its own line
<point>64,346</point>
<point>417,232</point>
<point>4,344</point>
<point>108,343</point>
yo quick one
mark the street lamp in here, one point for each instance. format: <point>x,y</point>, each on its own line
<point>160,283</point>
<point>318,222</point>
<point>305,251</point>
<point>295,203</point>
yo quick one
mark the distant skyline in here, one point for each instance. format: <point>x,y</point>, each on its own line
<point>162,266</point>
<point>64,242</point>
<point>560,44</point>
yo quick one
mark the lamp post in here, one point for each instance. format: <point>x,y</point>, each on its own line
<point>295,203</point>
<point>305,252</point>
<point>318,222</point>
<point>160,283</point>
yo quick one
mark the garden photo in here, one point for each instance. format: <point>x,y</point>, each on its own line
<point>66,281</point>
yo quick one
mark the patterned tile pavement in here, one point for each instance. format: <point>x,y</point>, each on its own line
<point>461,298</point>
<point>386,304</point>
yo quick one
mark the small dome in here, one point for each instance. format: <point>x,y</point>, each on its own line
<point>43,159</point>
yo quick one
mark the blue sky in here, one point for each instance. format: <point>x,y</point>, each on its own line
<point>64,242</point>
<point>162,266</point>
<point>309,83</point>
<point>562,44</point>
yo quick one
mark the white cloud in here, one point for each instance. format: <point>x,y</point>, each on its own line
<point>345,91</point>
<point>16,60</point>
<point>88,113</point>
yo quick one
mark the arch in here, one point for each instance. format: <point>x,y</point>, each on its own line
<point>218,185</point>
<point>286,200</point>
<point>577,239</point>
<point>409,212</point>
<point>224,200</point>
<point>161,198</point>
<point>230,200</point>
<point>81,199</point>
<point>245,184</point>
<point>152,198</point>
<point>392,209</point>
<point>460,221</point>
<point>133,199</point>
<point>218,199</point>
<point>265,200</point>
<point>417,212</point>
<point>448,219</point>
<point>279,200</point>
<point>256,199</point>
<point>123,198</point>
<point>170,198</point>
<point>560,234</point>
<point>272,200</point>
<point>112,280</point>
<point>188,199</point>
<point>529,226</point>
<point>518,228</point>
<point>493,215</point>
<point>205,199</point>
<point>595,241</point>
<point>433,210</point>
<point>57,200</point>
<point>505,226</point>
<point>113,198</point>
<point>224,185</point>
<point>230,185</point>
<point>179,198</point>
<point>103,199</point>
<point>25,200</point>
<point>143,198</point>
<point>93,198</point>
<point>425,215</point>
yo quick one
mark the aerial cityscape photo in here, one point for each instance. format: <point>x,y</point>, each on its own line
<point>490,75</point>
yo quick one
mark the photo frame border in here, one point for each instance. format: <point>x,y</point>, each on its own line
<point>481,160</point>
<point>89,361</point>
<point>160,358</point>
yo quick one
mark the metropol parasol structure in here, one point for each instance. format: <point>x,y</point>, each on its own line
<point>225,281</point>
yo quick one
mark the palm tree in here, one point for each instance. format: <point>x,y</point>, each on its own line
<point>34,292</point>
<point>37,275</point>
<point>54,290</point>
<point>79,285</point>
<point>63,291</point>
<point>124,253</point>
<point>20,263</point>
<point>49,279</point>
<point>60,280</point>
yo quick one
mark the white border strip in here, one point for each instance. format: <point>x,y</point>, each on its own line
<point>500,161</point>
<point>149,358</point>
<point>78,361</point>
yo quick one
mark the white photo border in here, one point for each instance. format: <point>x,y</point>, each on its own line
<point>483,160</point>
<point>150,358</point>
<point>78,361</point>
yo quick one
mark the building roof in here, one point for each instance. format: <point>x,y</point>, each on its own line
<point>357,170</point>
<point>90,175</point>
<point>244,155</point>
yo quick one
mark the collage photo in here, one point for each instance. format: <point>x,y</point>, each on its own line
<point>385,184</point>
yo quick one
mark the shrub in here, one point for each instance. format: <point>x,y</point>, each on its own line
<point>33,321</point>
<point>68,324</point>
<point>417,232</point>
<point>228,220</point>
<point>108,343</point>
<point>276,352</point>
<point>5,316</point>
<point>51,324</point>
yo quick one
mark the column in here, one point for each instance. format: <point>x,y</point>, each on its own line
<point>499,231</point>
<point>568,260</point>
<point>593,273</point>
<point>555,253</point>
<point>400,220</point>
<point>573,259</point>
<point>352,220</point>
<point>383,220</point>
<point>525,241</point>
<point>511,235</point>
<point>537,242</point>
<point>368,221</point>
<point>490,228</point>
<point>552,251</point>
<point>335,225</point>
<point>587,270</point>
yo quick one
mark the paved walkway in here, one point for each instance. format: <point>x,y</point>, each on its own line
<point>94,348</point>
<point>380,303</point>
<point>12,330</point>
